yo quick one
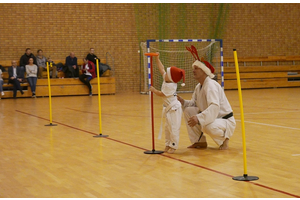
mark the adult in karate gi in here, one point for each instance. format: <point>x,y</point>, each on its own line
<point>171,107</point>
<point>208,112</point>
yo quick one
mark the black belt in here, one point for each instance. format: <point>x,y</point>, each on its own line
<point>228,116</point>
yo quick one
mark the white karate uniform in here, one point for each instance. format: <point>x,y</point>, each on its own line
<point>172,112</point>
<point>209,104</point>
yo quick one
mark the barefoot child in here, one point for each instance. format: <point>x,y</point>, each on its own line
<point>171,107</point>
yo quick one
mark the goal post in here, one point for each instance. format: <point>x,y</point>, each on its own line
<point>173,52</point>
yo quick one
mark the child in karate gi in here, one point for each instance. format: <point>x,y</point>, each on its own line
<point>171,107</point>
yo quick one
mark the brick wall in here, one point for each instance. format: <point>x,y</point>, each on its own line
<point>58,29</point>
<point>263,29</point>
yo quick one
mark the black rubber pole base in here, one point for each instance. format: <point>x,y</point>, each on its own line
<point>100,135</point>
<point>153,152</point>
<point>51,124</point>
<point>245,178</point>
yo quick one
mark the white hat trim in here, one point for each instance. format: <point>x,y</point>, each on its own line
<point>169,74</point>
<point>204,68</point>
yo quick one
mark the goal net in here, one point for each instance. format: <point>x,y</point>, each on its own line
<point>174,53</point>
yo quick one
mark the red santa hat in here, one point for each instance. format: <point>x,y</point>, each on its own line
<point>201,63</point>
<point>205,66</point>
<point>176,74</point>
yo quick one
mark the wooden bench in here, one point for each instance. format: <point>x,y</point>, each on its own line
<point>263,72</point>
<point>262,61</point>
<point>9,87</point>
<point>5,81</point>
<point>72,86</point>
<point>59,86</point>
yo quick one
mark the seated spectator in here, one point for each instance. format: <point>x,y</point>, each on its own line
<point>2,68</point>
<point>88,73</point>
<point>92,57</point>
<point>31,71</point>
<point>71,69</point>
<point>1,83</point>
<point>15,77</point>
<point>42,64</point>
<point>25,58</point>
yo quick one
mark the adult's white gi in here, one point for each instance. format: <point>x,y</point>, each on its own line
<point>172,112</point>
<point>209,104</point>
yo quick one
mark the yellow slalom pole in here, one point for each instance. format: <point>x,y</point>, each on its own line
<point>49,87</point>
<point>99,102</point>
<point>245,177</point>
<point>242,110</point>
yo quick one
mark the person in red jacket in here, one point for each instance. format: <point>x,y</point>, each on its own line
<point>88,73</point>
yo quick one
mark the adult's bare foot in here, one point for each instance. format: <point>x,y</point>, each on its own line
<point>199,145</point>
<point>225,145</point>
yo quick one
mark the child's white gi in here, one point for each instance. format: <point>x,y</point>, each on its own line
<point>172,112</point>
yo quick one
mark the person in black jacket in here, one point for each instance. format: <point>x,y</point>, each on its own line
<point>15,77</point>
<point>24,59</point>
<point>92,57</point>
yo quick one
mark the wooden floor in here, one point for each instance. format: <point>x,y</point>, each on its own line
<point>67,161</point>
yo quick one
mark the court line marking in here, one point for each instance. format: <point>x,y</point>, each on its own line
<point>298,129</point>
<point>177,159</point>
<point>97,113</point>
<point>270,108</point>
<point>235,119</point>
<point>258,113</point>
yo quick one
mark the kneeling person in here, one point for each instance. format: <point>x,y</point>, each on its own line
<point>208,111</point>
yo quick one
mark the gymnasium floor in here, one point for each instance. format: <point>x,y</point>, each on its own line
<point>67,161</point>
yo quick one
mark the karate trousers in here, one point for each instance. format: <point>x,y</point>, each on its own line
<point>218,130</point>
<point>172,127</point>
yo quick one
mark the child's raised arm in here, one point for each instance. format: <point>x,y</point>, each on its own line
<point>160,66</point>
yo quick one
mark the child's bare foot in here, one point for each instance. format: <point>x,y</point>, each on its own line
<point>171,150</point>
<point>167,148</point>
<point>224,146</point>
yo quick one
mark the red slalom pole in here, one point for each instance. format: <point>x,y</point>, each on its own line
<point>152,112</point>
<point>153,151</point>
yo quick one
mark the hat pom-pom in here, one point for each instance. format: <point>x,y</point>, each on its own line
<point>182,84</point>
